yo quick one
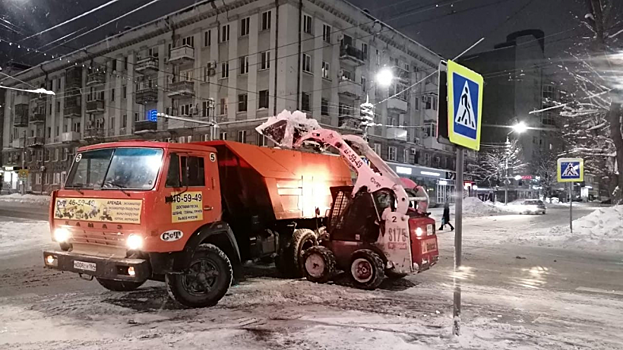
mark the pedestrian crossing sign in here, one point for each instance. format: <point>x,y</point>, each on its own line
<point>570,170</point>
<point>464,106</point>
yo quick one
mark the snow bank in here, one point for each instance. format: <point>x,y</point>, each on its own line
<point>18,237</point>
<point>26,198</point>
<point>473,206</point>
<point>601,230</point>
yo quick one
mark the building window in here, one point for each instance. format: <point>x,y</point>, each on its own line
<point>261,141</point>
<point>225,70</point>
<point>263,101</point>
<point>364,49</point>
<point>264,60</point>
<point>391,153</point>
<point>58,131</point>
<point>125,91</point>
<point>417,104</point>
<point>225,33</point>
<point>326,33</point>
<point>266,18</point>
<point>377,148</point>
<point>244,64</point>
<point>124,121</point>
<point>112,95</point>
<point>378,58</point>
<point>344,109</point>
<point>307,63</point>
<point>307,24</point>
<point>188,41</point>
<point>207,38</point>
<point>347,75</point>
<point>58,107</point>
<point>223,106</point>
<point>242,136</point>
<point>223,135</point>
<point>364,84</point>
<point>426,159</point>
<point>324,106</point>
<point>49,132</point>
<point>242,102</point>
<point>325,70</point>
<point>305,98</point>
<point>186,109</point>
<point>244,26</point>
<point>405,155</point>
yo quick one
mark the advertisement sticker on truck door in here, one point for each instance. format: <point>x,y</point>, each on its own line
<point>106,210</point>
<point>187,206</point>
<point>171,235</point>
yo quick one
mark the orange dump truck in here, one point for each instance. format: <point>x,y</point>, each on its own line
<point>188,214</point>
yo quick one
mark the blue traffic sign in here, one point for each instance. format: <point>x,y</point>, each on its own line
<point>152,115</point>
<point>464,106</point>
<point>570,170</point>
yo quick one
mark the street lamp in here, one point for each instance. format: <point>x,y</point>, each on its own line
<point>518,128</point>
<point>384,77</point>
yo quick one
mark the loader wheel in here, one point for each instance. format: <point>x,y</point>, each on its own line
<point>367,269</point>
<point>319,264</point>
<point>206,280</point>
<point>119,286</point>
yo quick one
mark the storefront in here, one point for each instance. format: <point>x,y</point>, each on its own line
<point>438,182</point>
<point>10,179</point>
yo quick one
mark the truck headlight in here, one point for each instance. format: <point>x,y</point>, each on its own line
<point>134,242</point>
<point>61,235</point>
<point>419,232</point>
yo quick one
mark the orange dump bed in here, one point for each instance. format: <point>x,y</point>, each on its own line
<point>294,184</point>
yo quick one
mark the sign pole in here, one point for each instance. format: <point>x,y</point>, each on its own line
<point>458,240</point>
<point>571,206</point>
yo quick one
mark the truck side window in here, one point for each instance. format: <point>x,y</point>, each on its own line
<point>196,171</point>
<point>173,175</point>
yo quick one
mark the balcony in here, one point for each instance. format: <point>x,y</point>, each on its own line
<point>181,55</point>
<point>146,94</point>
<point>397,105</point>
<point>37,117</point>
<point>94,133</point>
<point>181,88</point>
<point>349,122</point>
<point>145,126</point>
<point>95,106</point>
<point>72,111</point>
<point>352,55</point>
<point>36,141</point>
<point>73,78</point>
<point>18,143</point>
<point>147,65</point>
<point>96,78</point>
<point>348,88</point>
<point>71,136</point>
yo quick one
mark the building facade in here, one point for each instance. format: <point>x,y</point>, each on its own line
<point>229,66</point>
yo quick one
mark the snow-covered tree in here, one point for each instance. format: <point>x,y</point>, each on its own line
<point>591,111</point>
<point>493,162</point>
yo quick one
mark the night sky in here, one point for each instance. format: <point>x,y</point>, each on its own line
<point>445,26</point>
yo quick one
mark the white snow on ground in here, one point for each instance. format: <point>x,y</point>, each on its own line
<point>601,230</point>
<point>26,198</point>
<point>473,206</point>
<point>17,237</point>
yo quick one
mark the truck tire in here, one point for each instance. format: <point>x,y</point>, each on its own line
<point>119,286</point>
<point>319,264</point>
<point>367,269</point>
<point>289,262</point>
<point>206,280</point>
<point>302,239</point>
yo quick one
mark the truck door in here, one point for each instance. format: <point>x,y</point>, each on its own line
<point>190,187</point>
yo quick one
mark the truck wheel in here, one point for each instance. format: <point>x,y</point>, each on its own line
<point>367,269</point>
<point>318,264</point>
<point>206,280</point>
<point>119,286</point>
<point>302,239</point>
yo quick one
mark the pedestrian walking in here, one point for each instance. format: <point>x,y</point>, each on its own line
<point>445,219</point>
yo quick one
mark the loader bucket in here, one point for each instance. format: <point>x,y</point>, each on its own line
<point>287,128</point>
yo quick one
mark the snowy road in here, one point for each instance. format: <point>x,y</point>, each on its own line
<point>517,294</point>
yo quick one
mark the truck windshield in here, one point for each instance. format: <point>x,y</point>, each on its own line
<point>116,168</point>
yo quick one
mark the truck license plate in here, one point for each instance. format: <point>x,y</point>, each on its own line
<point>87,266</point>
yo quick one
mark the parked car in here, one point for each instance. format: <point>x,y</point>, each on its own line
<point>532,206</point>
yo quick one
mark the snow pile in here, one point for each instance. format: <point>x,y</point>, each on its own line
<point>473,206</point>
<point>602,230</point>
<point>18,237</point>
<point>26,198</point>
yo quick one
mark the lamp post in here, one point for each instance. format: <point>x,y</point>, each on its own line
<point>518,128</point>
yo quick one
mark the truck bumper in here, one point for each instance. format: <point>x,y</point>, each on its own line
<point>106,268</point>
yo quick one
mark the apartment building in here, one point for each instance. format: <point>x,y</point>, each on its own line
<point>227,66</point>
